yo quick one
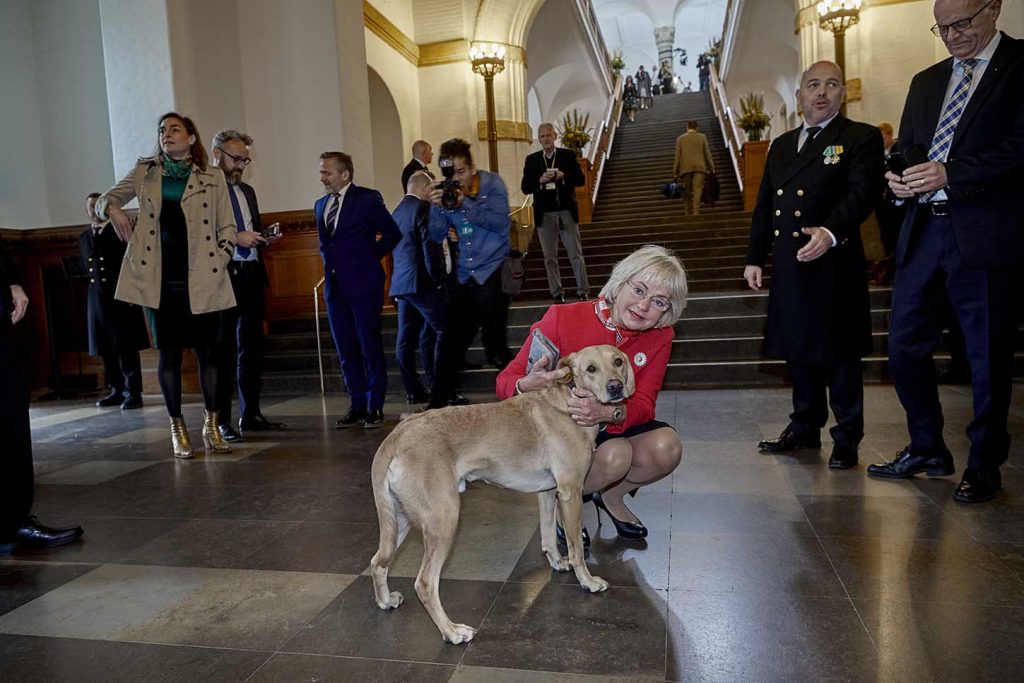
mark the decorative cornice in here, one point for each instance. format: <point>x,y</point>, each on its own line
<point>518,131</point>
<point>445,52</point>
<point>390,34</point>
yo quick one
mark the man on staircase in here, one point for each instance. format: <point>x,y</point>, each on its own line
<point>692,164</point>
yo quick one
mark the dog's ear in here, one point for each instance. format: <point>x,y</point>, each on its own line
<point>630,376</point>
<point>567,362</point>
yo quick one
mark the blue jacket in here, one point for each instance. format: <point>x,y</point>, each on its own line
<point>419,261</point>
<point>352,254</point>
<point>482,223</point>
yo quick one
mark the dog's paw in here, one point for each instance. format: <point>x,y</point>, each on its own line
<point>459,633</point>
<point>393,600</point>
<point>595,585</point>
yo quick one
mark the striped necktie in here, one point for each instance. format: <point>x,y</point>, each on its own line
<point>332,213</point>
<point>943,138</point>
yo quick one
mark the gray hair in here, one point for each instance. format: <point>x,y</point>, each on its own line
<point>231,134</point>
<point>418,180</point>
<point>658,266</point>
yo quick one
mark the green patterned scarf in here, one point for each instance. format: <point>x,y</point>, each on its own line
<point>175,168</point>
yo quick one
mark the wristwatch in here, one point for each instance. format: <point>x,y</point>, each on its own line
<point>618,415</point>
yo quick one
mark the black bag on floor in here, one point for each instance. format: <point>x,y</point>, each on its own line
<point>672,190</point>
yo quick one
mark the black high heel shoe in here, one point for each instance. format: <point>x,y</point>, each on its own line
<point>633,532</point>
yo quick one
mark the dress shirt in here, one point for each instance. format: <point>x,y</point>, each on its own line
<point>327,209</point>
<point>243,207</point>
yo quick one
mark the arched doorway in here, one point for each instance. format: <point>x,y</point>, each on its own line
<point>386,137</point>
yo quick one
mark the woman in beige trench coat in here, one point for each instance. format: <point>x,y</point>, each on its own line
<point>175,266</point>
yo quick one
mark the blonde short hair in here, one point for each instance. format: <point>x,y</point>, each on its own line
<point>658,266</point>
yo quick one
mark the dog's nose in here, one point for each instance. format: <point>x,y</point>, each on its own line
<point>614,388</point>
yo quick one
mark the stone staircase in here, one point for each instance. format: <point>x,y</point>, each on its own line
<point>718,340</point>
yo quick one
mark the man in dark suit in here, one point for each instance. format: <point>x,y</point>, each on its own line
<point>821,181</point>
<point>117,331</point>
<point>422,155</point>
<point>961,242</point>
<point>417,282</point>
<point>356,232</point>
<point>552,175</point>
<point>17,482</point>
<point>243,324</point>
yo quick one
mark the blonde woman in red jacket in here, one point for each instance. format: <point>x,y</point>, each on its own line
<point>635,311</point>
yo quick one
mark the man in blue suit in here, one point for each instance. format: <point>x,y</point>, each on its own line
<point>356,232</point>
<point>417,283</point>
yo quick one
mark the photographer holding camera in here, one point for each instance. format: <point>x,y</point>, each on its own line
<point>475,204</point>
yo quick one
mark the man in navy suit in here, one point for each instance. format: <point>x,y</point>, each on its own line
<point>417,283</point>
<point>961,243</point>
<point>356,232</point>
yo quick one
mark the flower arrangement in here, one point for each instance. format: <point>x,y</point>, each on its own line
<point>714,50</point>
<point>617,63</point>
<point>753,120</point>
<point>574,131</point>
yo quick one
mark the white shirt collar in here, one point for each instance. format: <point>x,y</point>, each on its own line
<point>823,124</point>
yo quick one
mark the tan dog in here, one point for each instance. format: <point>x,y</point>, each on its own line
<point>527,443</point>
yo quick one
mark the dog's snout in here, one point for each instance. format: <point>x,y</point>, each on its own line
<point>614,388</point>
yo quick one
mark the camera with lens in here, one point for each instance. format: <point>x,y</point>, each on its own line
<point>450,186</point>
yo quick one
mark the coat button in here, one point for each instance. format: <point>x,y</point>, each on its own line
<point>215,270</point>
<point>92,279</point>
<point>796,234</point>
<point>797,214</point>
<point>211,254</point>
<point>776,233</point>
<point>152,215</point>
<point>799,193</point>
<point>778,212</point>
<point>143,262</point>
<point>206,221</point>
<point>208,238</point>
<point>90,259</point>
<point>205,205</point>
<point>190,187</point>
<point>101,258</point>
<point>149,249</point>
<point>152,232</point>
<point>779,192</point>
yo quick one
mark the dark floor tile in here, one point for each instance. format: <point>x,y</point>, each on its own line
<point>762,636</point>
<point>328,548</point>
<point>735,513</point>
<point>24,581</point>
<point>928,641</point>
<point>874,516</point>
<point>58,660</point>
<point>1010,554</point>
<point>923,571</point>
<point>291,667</point>
<point>351,505</point>
<point>730,562</point>
<point>352,624</point>
<point>214,543</point>
<point>564,629</point>
<point>106,539</point>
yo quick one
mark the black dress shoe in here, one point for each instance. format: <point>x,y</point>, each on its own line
<point>112,399</point>
<point>789,441</point>
<point>560,537</point>
<point>458,400</point>
<point>228,433</point>
<point>351,419</point>
<point>907,464</point>
<point>977,486</point>
<point>844,456</point>
<point>258,423</point>
<point>35,535</point>
<point>559,298</point>
<point>7,548</point>
<point>131,403</point>
<point>374,419</point>
<point>420,396</point>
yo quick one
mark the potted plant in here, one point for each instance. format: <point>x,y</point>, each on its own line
<point>574,131</point>
<point>753,120</point>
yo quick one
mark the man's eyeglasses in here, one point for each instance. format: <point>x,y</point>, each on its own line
<point>959,26</point>
<point>640,292</point>
<point>244,161</point>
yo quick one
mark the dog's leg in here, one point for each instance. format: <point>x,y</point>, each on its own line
<point>440,523</point>
<point>570,506</point>
<point>387,518</point>
<point>548,539</point>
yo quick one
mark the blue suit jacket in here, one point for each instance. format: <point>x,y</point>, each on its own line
<point>418,259</point>
<point>352,254</point>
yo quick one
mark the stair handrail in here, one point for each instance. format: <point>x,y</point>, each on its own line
<point>727,122</point>
<point>600,151</point>
<point>316,317</point>
<point>521,217</point>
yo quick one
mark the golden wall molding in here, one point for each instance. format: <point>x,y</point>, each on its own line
<point>518,131</point>
<point>390,34</point>
<point>444,52</point>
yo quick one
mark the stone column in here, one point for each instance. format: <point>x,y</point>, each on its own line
<point>664,37</point>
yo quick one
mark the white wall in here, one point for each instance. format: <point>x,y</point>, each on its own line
<point>388,156</point>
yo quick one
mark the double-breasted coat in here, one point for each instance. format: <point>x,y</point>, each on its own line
<point>210,224</point>
<point>818,311</point>
<point>114,326</point>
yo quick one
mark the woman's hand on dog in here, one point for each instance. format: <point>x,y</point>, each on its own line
<point>586,410</point>
<point>540,378</point>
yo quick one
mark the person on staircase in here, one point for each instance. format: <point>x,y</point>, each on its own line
<point>643,87</point>
<point>552,175</point>
<point>692,164</point>
<point>821,181</point>
<point>176,263</point>
<point>634,312</point>
<point>630,99</point>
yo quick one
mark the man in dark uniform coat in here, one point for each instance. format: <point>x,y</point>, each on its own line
<point>422,155</point>
<point>821,181</point>
<point>117,330</point>
<point>962,242</point>
<point>17,481</point>
<point>417,282</point>
<point>242,325</point>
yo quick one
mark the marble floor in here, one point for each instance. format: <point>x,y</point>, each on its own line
<point>251,566</point>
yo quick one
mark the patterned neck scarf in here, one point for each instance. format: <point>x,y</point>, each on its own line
<point>176,169</point>
<point>604,313</point>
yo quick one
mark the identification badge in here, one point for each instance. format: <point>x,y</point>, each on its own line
<point>550,186</point>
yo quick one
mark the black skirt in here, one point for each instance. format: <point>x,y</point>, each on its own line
<point>635,430</point>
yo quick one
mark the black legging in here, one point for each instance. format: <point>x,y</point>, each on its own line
<point>169,374</point>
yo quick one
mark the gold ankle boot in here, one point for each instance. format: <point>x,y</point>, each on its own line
<point>211,435</point>
<point>179,439</point>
